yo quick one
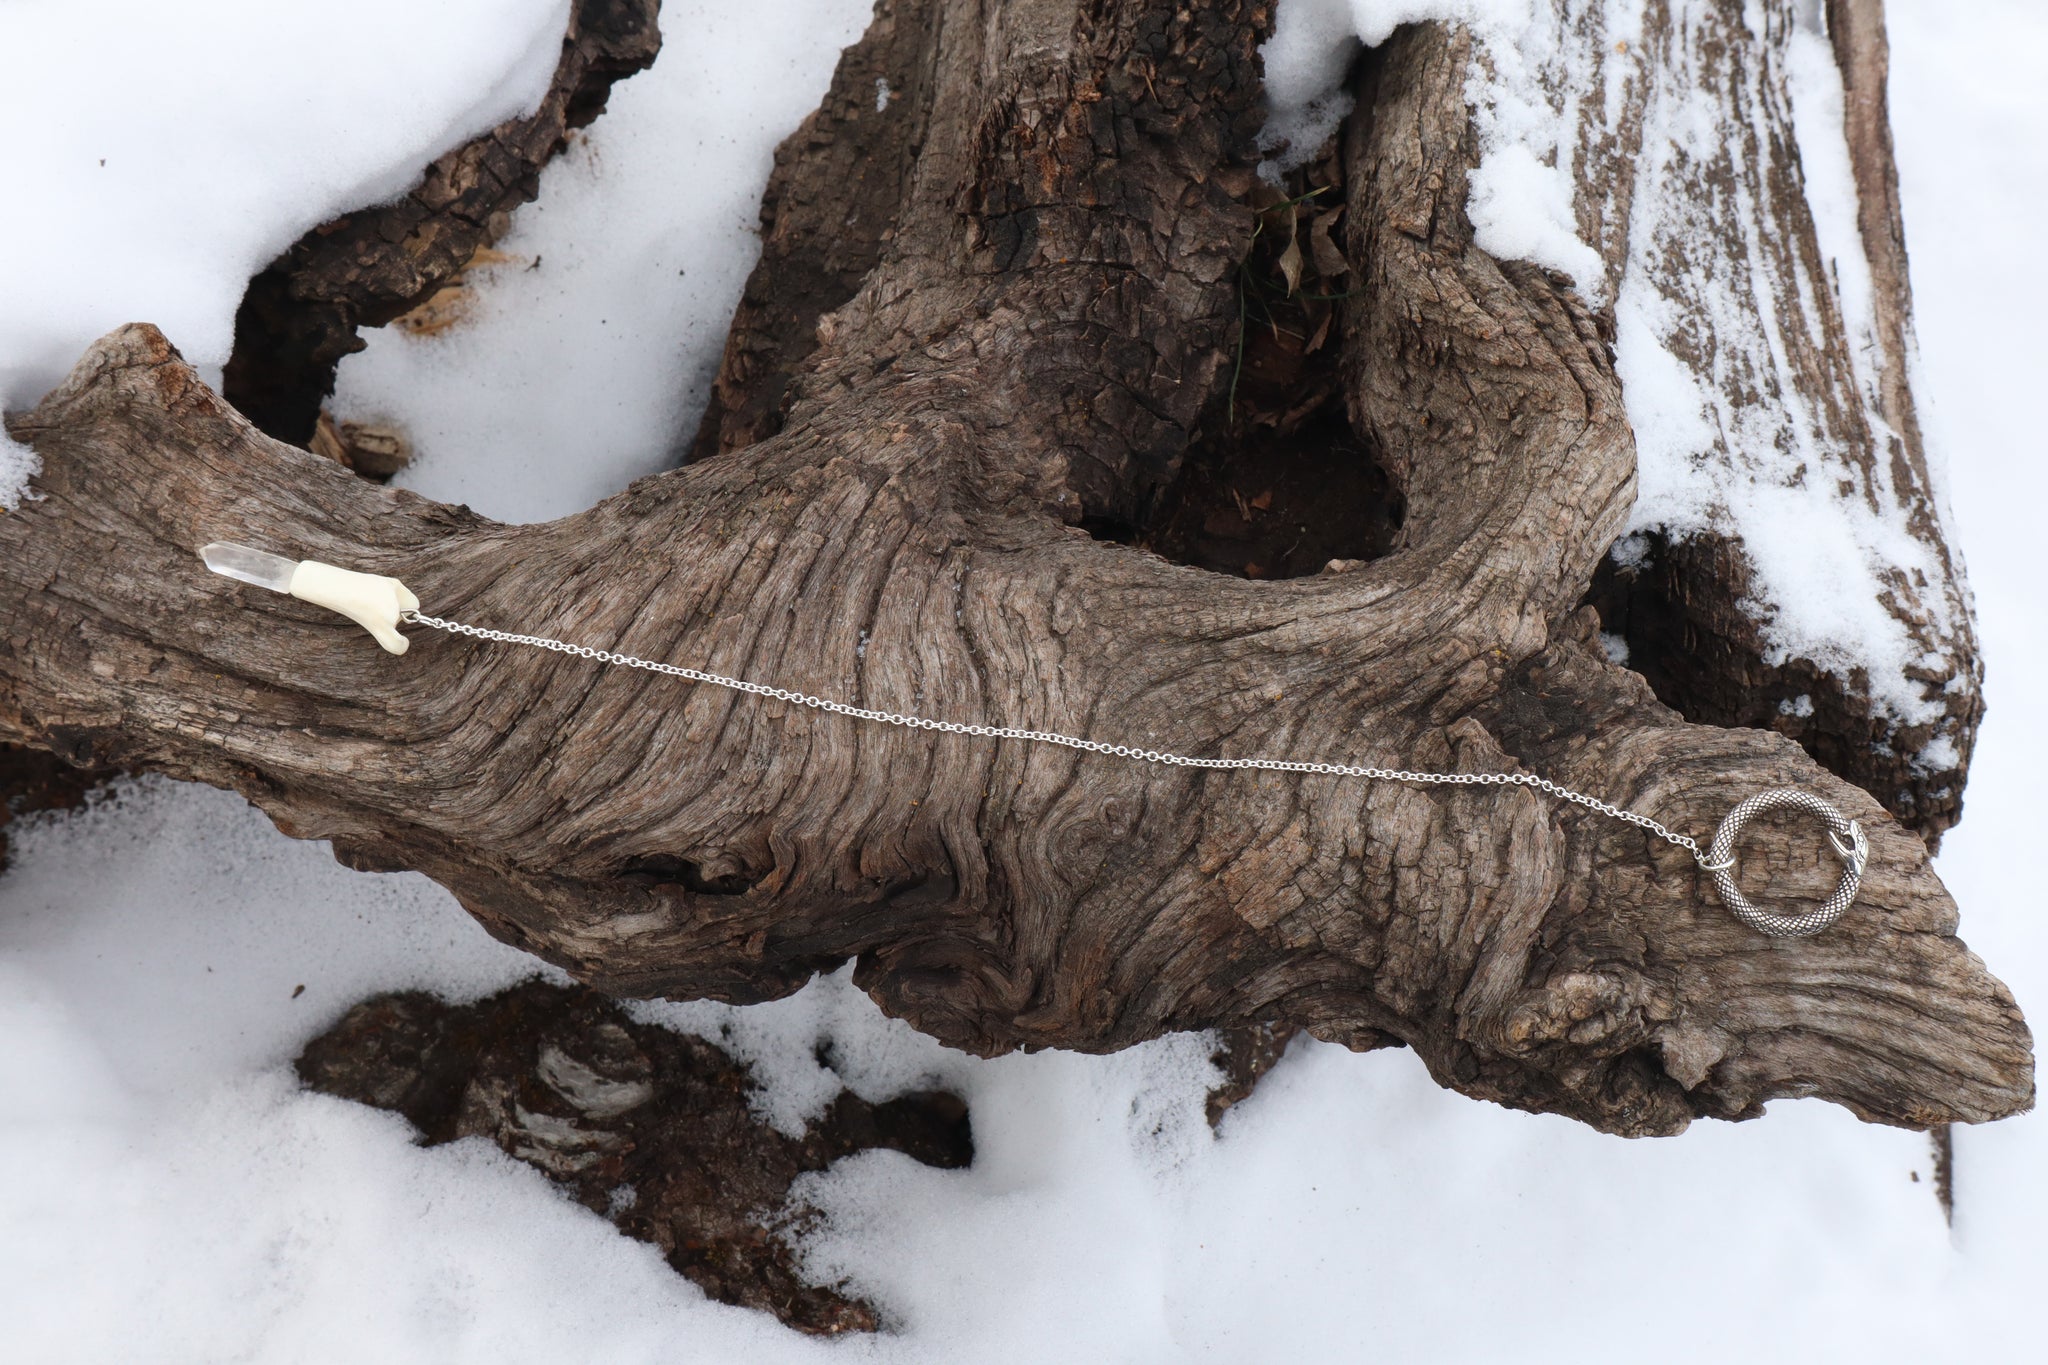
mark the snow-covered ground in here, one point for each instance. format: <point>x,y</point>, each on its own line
<point>168,1194</point>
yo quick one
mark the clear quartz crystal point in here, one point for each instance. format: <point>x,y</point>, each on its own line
<point>245,565</point>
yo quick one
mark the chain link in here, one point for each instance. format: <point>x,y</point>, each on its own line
<point>1276,765</point>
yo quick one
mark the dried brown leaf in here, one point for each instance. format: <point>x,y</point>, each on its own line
<point>1290,260</point>
<point>1323,249</point>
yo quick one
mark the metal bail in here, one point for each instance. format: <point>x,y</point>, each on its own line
<point>1844,834</point>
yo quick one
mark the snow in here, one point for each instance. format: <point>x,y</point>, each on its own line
<point>176,149</point>
<point>592,351</point>
<point>810,1046</point>
<point>1312,47</point>
<point>1521,210</point>
<point>168,1194</point>
<point>1814,83</point>
<point>18,465</point>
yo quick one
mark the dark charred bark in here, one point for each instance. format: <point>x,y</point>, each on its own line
<point>648,1127</point>
<point>300,315</point>
<point>1685,612</point>
<point>1046,334</point>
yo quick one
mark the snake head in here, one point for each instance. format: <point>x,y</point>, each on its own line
<point>1856,852</point>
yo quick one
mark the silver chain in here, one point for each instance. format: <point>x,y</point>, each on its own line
<point>1277,765</point>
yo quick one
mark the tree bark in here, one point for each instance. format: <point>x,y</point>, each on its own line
<point>1725,241</point>
<point>1034,336</point>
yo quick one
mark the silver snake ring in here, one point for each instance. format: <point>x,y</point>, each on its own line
<point>1845,834</point>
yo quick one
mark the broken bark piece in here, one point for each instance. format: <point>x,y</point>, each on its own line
<point>373,451</point>
<point>647,1127</point>
<point>367,268</point>
<point>1244,1056</point>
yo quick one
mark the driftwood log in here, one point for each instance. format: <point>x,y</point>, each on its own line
<point>1024,323</point>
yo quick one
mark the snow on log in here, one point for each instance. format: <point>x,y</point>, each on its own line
<point>1699,172</point>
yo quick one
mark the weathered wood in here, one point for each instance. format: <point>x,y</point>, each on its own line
<point>300,314</point>
<point>646,1126</point>
<point>830,208</point>
<point>1863,56</point>
<point>1756,319</point>
<point>1047,324</point>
